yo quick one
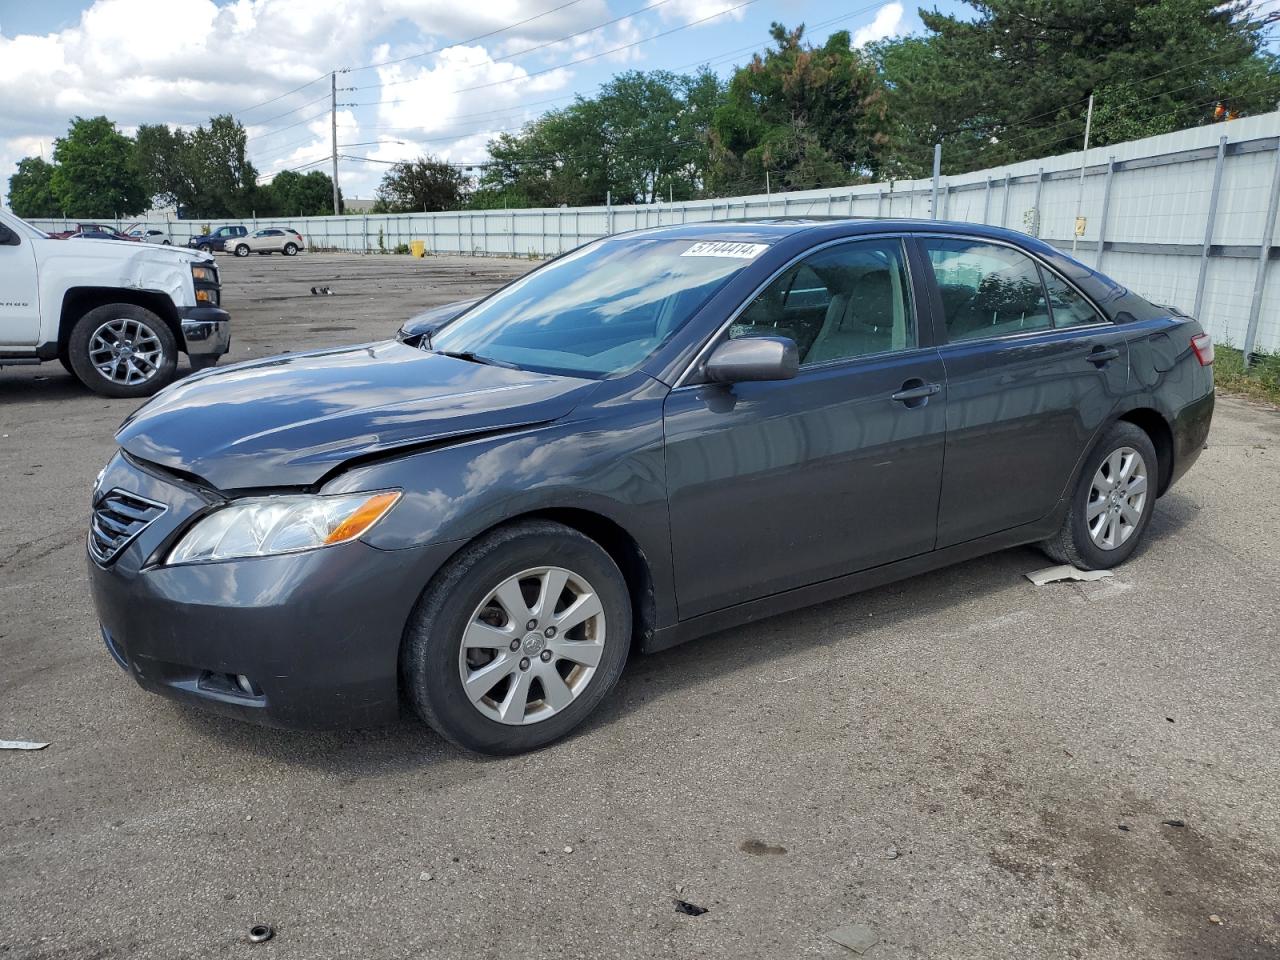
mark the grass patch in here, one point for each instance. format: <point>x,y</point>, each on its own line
<point>1260,382</point>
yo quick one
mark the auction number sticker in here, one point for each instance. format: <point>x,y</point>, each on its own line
<point>726,248</point>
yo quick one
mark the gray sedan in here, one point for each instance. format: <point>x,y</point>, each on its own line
<point>655,436</point>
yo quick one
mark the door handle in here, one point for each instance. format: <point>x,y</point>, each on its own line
<point>915,392</point>
<point>1102,355</point>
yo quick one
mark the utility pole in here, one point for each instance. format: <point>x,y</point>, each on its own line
<point>1088,123</point>
<point>333,125</point>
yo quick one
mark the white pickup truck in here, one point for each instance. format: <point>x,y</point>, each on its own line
<point>115,314</point>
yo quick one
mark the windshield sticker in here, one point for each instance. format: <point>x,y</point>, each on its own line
<point>726,248</point>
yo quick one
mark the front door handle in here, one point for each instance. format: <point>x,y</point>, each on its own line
<point>915,392</point>
<point>1102,355</point>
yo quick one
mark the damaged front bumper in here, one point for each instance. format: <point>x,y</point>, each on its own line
<point>206,331</point>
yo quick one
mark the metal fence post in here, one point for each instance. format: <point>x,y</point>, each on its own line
<point>1036,207</point>
<point>1264,259</point>
<point>1106,206</point>
<point>1208,225</point>
<point>1004,210</point>
<point>986,201</point>
<point>937,172</point>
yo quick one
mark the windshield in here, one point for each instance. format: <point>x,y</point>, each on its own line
<point>598,311</point>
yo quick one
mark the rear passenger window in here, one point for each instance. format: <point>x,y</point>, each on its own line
<point>987,290</point>
<point>849,300</point>
<point>1070,309</point>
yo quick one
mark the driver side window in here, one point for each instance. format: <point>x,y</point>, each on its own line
<point>849,300</point>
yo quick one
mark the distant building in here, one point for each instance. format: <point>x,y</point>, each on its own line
<point>356,205</point>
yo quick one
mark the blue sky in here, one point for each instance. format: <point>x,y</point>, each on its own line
<point>179,61</point>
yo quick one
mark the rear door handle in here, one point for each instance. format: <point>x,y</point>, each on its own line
<point>1101,355</point>
<point>914,390</point>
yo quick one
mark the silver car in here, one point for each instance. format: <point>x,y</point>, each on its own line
<point>151,235</point>
<point>284,240</point>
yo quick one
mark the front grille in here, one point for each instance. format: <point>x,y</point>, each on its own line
<point>117,520</point>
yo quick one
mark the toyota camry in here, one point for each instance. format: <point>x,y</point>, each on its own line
<point>655,436</point>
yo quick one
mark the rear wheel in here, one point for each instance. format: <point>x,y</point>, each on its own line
<point>1112,502</point>
<point>518,639</point>
<point>122,350</point>
<point>290,249</point>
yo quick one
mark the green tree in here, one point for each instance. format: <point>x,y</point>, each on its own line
<point>294,194</point>
<point>31,189</point>
<point>161,158</point>
<point>811,116</point>
<point>217,178</point>
<point>642,138</point>
<point>424,184</point>
<point>1013,82</point>
<point>94,173</point>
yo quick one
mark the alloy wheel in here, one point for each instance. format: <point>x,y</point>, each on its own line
<point>532,646</point>
<point>126,351</point>
<point>1116,498</point>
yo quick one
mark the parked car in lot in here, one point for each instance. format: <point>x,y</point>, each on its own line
<point>117,316</point>
<point>93,231</point>
<point>272,240</point>
<point>656,436</point>
<point>151,235</point>
<point>217,240</point>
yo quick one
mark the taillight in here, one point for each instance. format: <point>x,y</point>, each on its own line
<point>1202,344</point>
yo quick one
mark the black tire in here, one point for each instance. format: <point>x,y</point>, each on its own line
<point>78,346</point>
<point>430,654</point>
<point>290,249</point>
<point>202,361</point>
<point>1073,543</point>
<point>241,250</point>
<point>167,243</point>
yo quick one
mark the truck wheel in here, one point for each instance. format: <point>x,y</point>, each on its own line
<point>122,350</point>
<point>290,249</point>
<point>242,250</point>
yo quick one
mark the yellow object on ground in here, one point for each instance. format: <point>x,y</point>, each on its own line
<point>418,248</point>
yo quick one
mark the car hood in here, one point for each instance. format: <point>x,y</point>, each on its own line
<point>289,421</point>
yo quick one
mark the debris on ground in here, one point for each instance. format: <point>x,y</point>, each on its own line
<point>321,292</point>
<point>261,933</point>
<point>424,876</point>
<point>891,853</point>
<point>1214,918</point>
<point>858,937</point>
<point>689,909</point>
<point>758,848</point>
<point>568,849</point>
<point>21,745</point>
<point>1174,823</point>
<point>1066,572</point>
<point>1122,826</point>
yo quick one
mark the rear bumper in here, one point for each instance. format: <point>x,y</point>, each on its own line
<point>1190,431</point>
<point>205,330</point>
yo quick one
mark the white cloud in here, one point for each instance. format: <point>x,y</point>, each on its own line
<point>689,11</point>
<point>888,22</point>
<point>182,61</point>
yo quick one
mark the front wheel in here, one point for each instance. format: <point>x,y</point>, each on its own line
<point>1112,502</point>
<point>122,350</point>
<point>518,639</point>
<point>242,250</point>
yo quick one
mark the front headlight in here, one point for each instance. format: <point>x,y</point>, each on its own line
<point>262,526</point>
<point>203,273</point>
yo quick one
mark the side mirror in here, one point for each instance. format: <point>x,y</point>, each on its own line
<point>753,358</point>
<point>8,238</point>
<point>426,324</point>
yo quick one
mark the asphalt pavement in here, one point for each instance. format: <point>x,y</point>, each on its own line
<point>964,764</point>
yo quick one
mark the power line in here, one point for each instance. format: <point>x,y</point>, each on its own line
<point>586,59</point>
<point>263,103</point>
<point>459,43</point>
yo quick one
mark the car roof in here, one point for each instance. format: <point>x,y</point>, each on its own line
<point>772,229</point>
